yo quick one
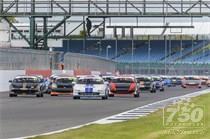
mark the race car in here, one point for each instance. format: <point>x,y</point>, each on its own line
<point>173,81</point>
<point>51,81</point>
<point>158,83</point>
<point>62,86</point>
<point>123,85</point>
<point>146,84</point>
<point>191,82</point>
<point>27,85</point>
<point>179,80</point>
<point>166,81</point>
<point>90,86</point>
<point>45,82</point>
<point>204,80</point>
<point>208,83</point>
<point>107,78</point>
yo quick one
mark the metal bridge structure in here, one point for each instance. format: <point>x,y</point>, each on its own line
<point>102,9</point>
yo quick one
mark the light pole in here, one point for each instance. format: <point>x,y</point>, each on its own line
<point>165,39</point>
<point>107,51</point>
<point>51,59</point>
<point>149,54</point>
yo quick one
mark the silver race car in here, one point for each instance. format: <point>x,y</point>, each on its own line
<point>27,85</point>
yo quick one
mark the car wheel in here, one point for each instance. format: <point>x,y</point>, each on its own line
<point>41,95</point>
<point>136,95</point>
<point>111,95</point>
<point>162,90</point>
<point>104,97</point>
<point>76,97</point>
<point>153,91</point>
<point>48,91</point>
<point>12,95</point>
<point>183,86</point>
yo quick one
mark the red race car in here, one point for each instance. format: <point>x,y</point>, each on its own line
<point>122,86</point>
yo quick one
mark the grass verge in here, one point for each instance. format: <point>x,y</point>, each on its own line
<point>149,127</point>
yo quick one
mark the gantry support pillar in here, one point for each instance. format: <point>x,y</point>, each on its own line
<point>32,25</point>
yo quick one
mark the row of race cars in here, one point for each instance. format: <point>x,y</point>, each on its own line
<point>99,86</point>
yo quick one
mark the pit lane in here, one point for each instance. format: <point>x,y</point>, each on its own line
<point>28,115</point>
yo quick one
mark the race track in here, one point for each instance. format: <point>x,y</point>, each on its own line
<point>28,115</point>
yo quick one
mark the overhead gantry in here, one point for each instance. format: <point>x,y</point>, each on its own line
<point>103,9</point>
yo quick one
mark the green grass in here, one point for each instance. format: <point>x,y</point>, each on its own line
<point>150,127</point>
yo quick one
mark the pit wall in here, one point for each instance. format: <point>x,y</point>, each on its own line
<point>6,75</point>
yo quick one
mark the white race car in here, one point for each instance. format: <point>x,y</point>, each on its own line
<point>90,86</point>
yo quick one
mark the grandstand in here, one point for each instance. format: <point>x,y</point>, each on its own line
<point>137,39</point>
<point>171,50</point>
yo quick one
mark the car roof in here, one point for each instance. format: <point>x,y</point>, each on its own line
<point>120,77</point>
<point>148,77</point>
<point>25,76</point>
<point>91,77</point>
<point>67,77</point>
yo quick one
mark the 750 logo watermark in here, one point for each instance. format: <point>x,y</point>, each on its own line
<point>184,114</point>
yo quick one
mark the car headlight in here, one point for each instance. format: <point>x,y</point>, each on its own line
<point>54,85</point>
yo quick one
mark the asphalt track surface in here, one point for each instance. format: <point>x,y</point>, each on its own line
<point>28,115</point>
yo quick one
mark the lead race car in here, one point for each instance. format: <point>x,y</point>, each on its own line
<point>27,85</point>
<point>90,86</point>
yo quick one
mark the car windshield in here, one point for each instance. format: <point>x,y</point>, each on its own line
<point>156,79</point>
<point>143,79</point>
<point>65,80</point>
<point>123,80</point>
<point>178,79</point>
<point>25,80</point>
<point>107,79</point>
<point>90,81</point>
<point>191,78</point>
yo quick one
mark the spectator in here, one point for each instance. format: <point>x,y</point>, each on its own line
<point>88,26</point>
